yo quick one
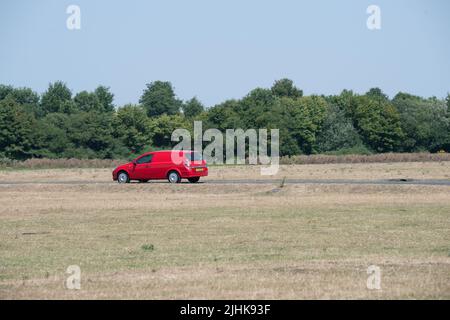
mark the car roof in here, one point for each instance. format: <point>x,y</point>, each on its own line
<point>165,151</point>
<point>170,151</point>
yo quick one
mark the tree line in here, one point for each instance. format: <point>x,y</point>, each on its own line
<point>59,124</point>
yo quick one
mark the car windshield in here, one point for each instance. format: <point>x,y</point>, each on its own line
<point>193,156</point>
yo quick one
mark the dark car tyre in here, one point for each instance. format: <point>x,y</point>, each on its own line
<point>123,177</point>
<point>173,177</point>
<point>194,180</point>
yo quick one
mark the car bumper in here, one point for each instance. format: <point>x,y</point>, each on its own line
<point>195,172</point>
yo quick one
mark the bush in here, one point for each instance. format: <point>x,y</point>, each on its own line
<point>373,158</point>
<point>59,163</point>
<point>338,135</point>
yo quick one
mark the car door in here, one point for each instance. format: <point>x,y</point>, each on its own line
<point>157,166</point>
<point>142,170</point>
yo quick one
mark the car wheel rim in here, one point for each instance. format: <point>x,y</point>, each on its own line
<point>122,177</point>
<point>173,177</point>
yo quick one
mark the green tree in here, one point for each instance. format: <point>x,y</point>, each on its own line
<point>374,117</point>
<point>300,122</point>
<point>88,126</point>
<point>132,128</point>
<point>23,96</point>
<point>51,136</point>
<point>105,98</point>
<point>346,101</point>
<point>17,129</point>
<point>377,94</point>
<point>378,122</point>
<point>91,134</point>
<point>448,103</point>
<point>424,122</point>
<point>192,108</point>
<point>337,134</point>
<point>225,116</point>
<point>255,109</point>
<point>56,96</point>
<point>5,90</point>
<point>88,102</point>
<point>163,126</point>
<point>159,98</point>
<point>286,88</point>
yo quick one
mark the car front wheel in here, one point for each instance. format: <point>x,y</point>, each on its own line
<point>123,177</point>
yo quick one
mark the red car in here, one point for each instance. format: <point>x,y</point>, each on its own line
<point>172,165</point>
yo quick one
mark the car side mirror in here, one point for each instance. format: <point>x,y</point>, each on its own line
<point>134,162</point>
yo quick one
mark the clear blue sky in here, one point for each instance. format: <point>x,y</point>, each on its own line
<point>221,49</point>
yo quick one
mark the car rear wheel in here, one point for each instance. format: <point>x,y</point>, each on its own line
<point>194,179</point>
<point>173,177</point>
<point>123,177</point>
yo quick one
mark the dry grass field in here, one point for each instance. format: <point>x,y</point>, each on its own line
<point>231,241</point>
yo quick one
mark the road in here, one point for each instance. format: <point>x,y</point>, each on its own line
<point>430,182</point>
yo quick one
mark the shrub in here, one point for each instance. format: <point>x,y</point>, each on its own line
<point>59,163</point>
<point>148,247</point>
<point>373,158</point>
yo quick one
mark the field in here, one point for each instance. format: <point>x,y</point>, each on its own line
<point>230,241</point>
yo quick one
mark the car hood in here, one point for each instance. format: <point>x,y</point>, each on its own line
<point>128,165</point>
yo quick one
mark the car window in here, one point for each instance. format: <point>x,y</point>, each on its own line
<point>193,156</point>
<point>145,159</point>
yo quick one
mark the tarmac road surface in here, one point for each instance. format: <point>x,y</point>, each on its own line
<point>429,182</point>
